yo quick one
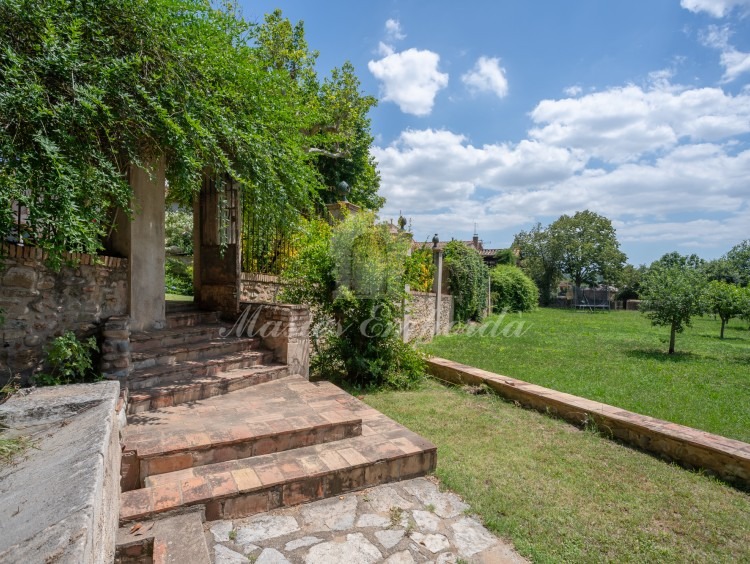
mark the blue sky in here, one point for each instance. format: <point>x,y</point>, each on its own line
<point>508,113</point>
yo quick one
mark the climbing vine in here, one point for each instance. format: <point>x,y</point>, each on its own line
<point>468,281</point>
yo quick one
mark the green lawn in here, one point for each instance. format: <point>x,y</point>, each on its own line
<point>565,495</point>
<point>178,298</point>
<point>620,359</point>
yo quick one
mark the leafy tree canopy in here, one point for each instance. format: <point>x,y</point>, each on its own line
<point>672,292</point>
<point>738,259</point>
<point>725,300</point>
<point>468,281</point>
<point>539,257</point>
<point>589,248</point>
<point>89,88</point>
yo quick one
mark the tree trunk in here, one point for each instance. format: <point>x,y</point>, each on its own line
<point>723,321</point>
<point>671,340</point>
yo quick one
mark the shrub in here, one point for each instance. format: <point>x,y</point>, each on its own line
<point>420,270</point>
<point>70,361</point>
<point>178,230</point>
<point>512,290</point>
<point>178,277</point>
<point>352,277</point>
<point>468,278</point>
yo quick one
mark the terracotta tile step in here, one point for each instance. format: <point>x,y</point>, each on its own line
<point>161,356</point>
<point>198,388</point>
<point>227,428</point>
<point>190,318</point>
<point>146,340</point>
<point>166,374</point>
<point>239,488</point>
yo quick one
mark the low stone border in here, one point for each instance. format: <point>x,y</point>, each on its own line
<point>726,458</point>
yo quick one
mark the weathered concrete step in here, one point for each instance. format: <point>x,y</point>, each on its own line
<point>191,318</point>
<point>228,428</point>
<point>161,356</point>
<point>385,452</point>
<point>191,389</point>
<point>172,373</point>
<point>239,488</point>
<point>145,340</point>
<point>170,540</point>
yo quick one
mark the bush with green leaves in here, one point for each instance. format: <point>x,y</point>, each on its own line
<point>352,277</point>
<point>468,278</point>
<point>420,269</point>
<point>178,277</point>
<point>70,361</point>
<point>512,290</point>
<point>178,230</point>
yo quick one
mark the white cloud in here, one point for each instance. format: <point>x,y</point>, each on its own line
<point>393,30</point>
<point>715,8</point>
<point>487,76</point>
<point>652,158</point>
<point>573,91</point>
<point>410,79</point>
<point>622,124</point>
<point>735,62</point>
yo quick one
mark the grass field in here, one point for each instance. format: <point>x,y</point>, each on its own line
<point>620,359</point>
<point>565,495</point>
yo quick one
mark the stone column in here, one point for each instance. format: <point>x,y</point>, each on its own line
<point>437,286</point>
<point>142,241</point>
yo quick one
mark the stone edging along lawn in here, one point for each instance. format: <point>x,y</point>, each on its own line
<point>727,458</point>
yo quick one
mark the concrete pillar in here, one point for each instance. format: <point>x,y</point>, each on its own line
<point>142,241</point>
<point>437,255</point>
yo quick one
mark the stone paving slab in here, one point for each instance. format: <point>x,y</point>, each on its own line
<point>410,522</point>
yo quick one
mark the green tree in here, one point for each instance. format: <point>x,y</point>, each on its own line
<point>589,250</point>
<point>352,276</point>
<point>672,293</point>
<point>725,300</point>
<point>468,278</point>
<point>629,282</point>
<point>512,290</point>
<point>88,89</point>
<point>539,256</point>
<point>739,260</point>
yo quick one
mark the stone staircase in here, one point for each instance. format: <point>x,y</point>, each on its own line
<point>215,424</point>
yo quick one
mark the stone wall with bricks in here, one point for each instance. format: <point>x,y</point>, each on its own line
<point>283,328</point>
<point>39,303</point>
<point>263,288</point>
<point>421,315</point>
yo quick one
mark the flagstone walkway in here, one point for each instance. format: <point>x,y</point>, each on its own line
<point>401,523</point>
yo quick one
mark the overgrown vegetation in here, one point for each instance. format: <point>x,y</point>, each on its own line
<point>619,359</point>
<point>565,495</point>
<point>468,281</point>
<point>352,277</point>
<point>420,269</point>
<point>512,290</point>
<point>70,361</point>
<point>178,277</point>
<point>90,88</point>
<point>178,230</point>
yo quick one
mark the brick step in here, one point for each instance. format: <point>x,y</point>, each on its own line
<point>384,452</point>
<point>161,356</point>
<point>228,428</point>
<point>190,318</point>
<point>192,388</point>
<point>171,373</point>
<point>145,340</point>
<point>178,538</point>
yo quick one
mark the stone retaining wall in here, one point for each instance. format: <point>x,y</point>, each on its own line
<point>39,303</point>
<point>727,458</point>
<point>60,499</point>
<point>283,328</point>
<point>260,288</point>
<point>421,316</point>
